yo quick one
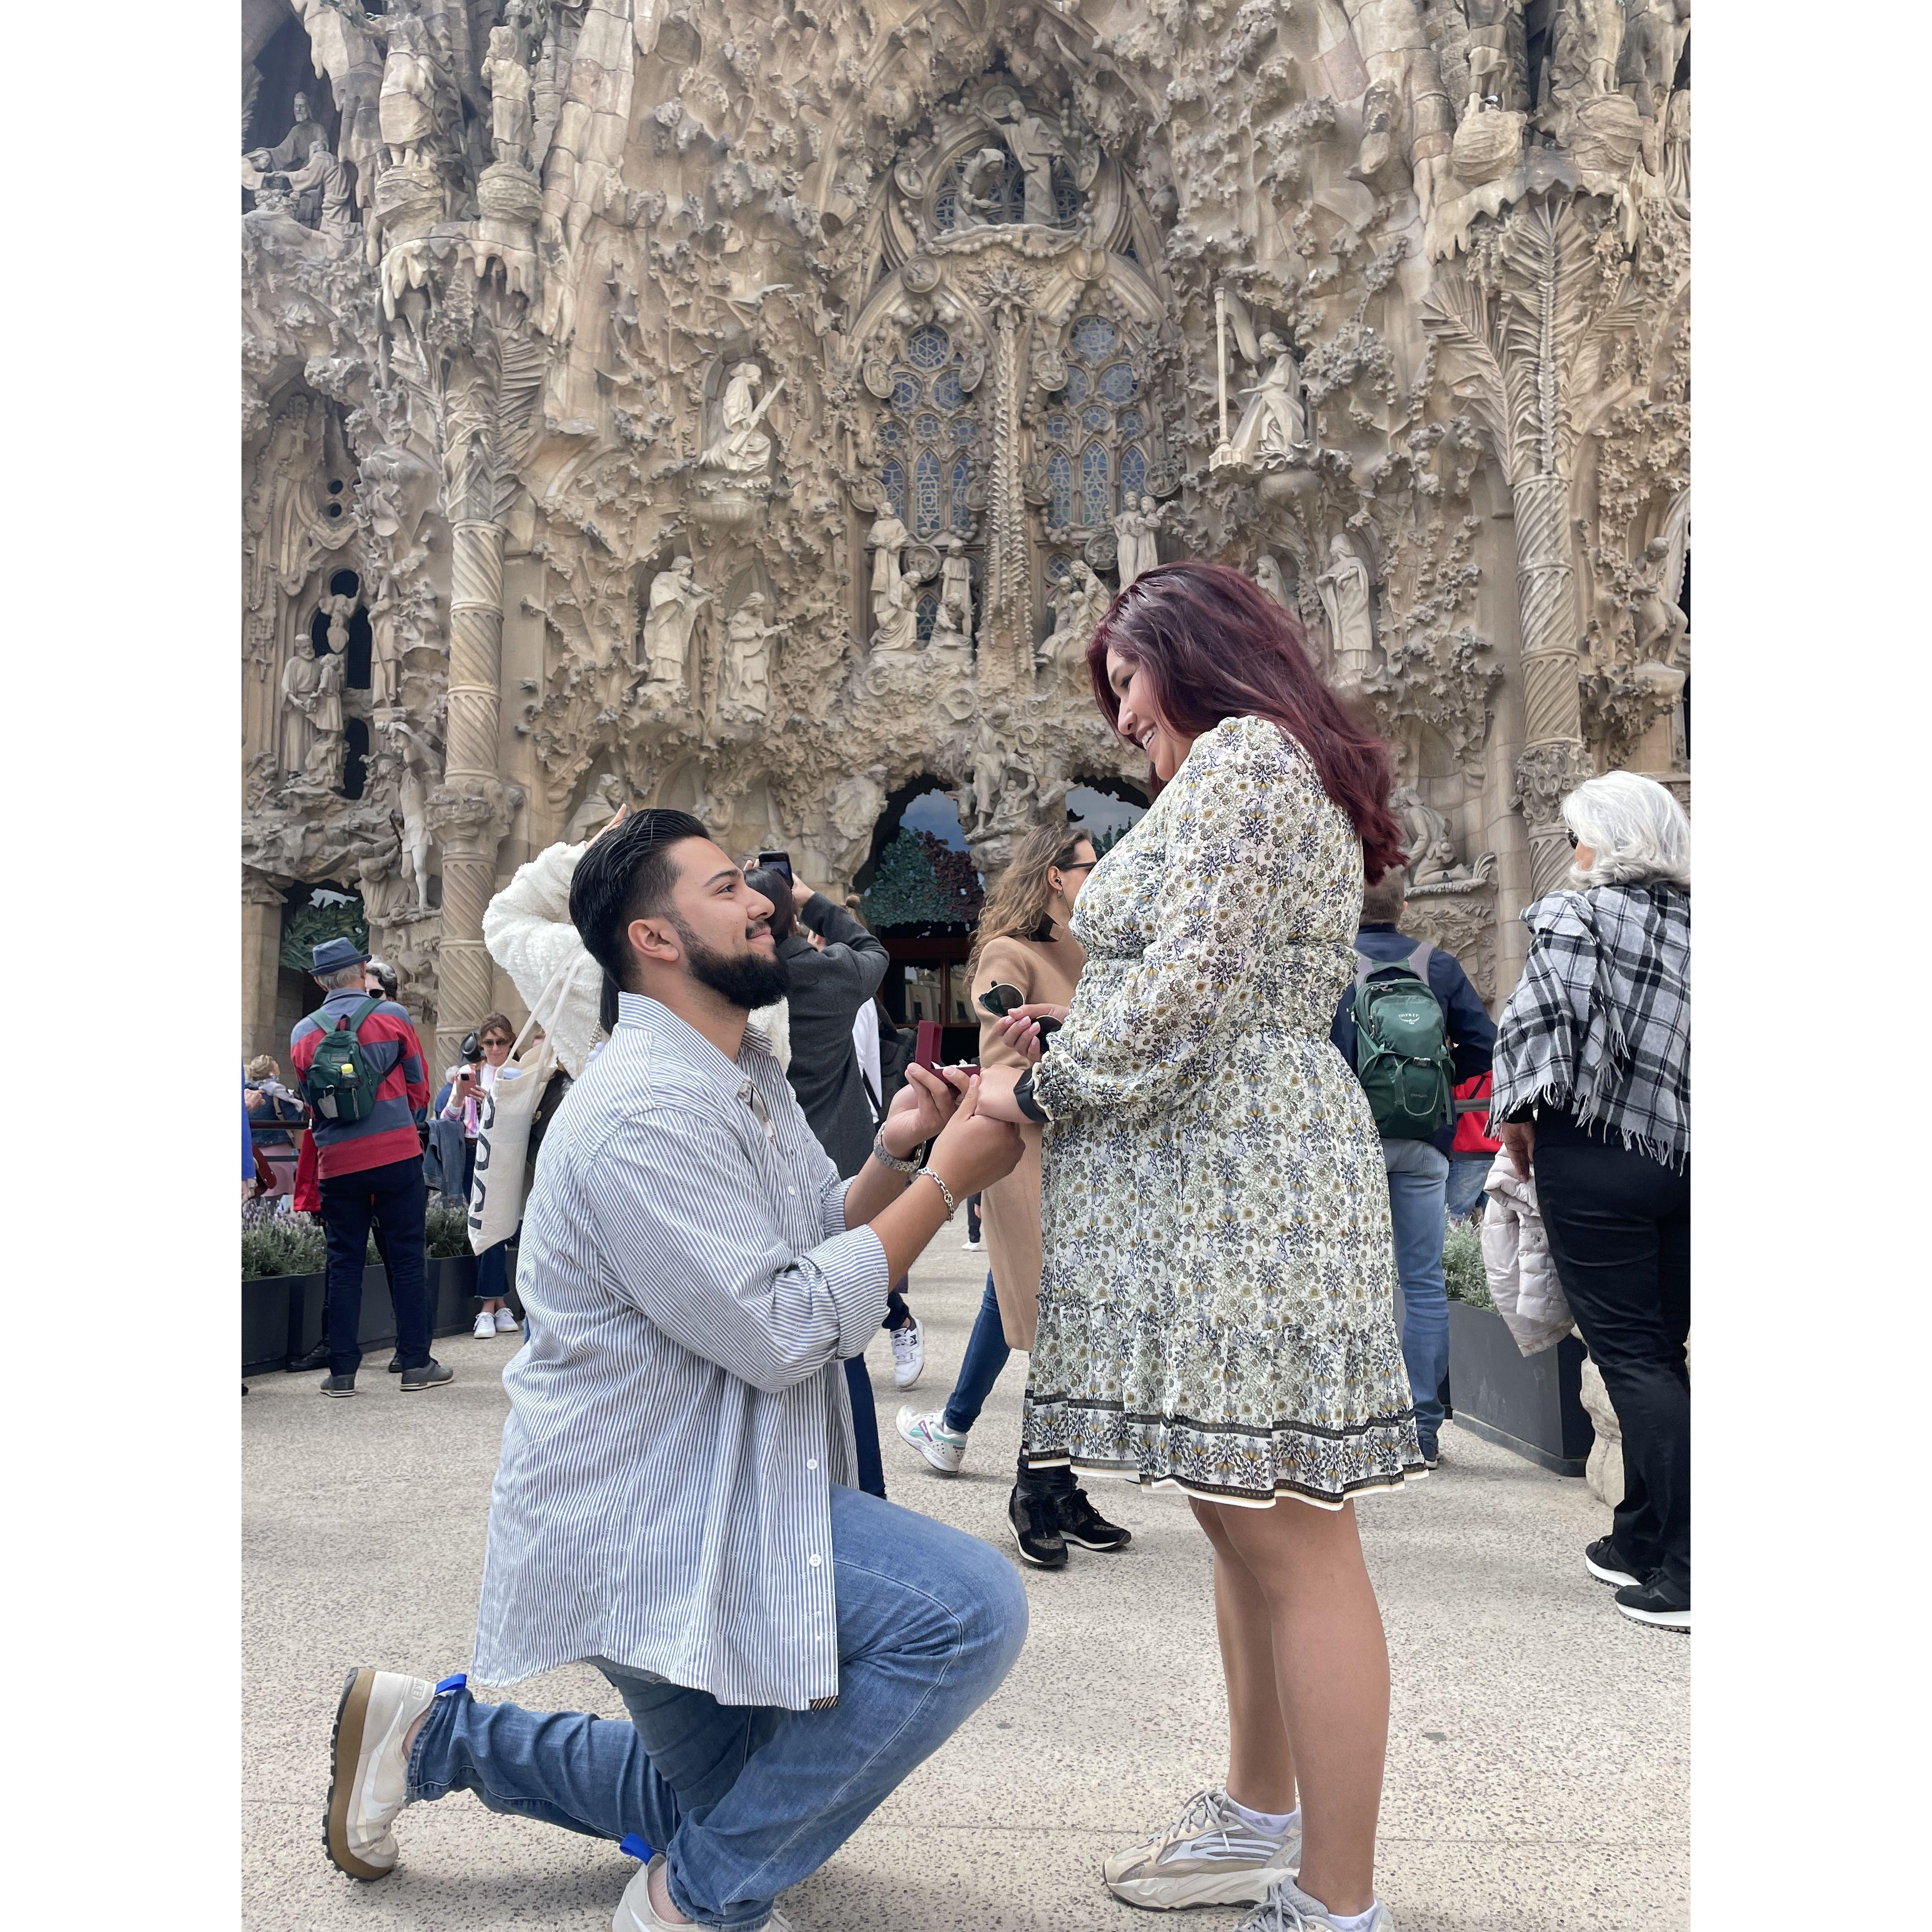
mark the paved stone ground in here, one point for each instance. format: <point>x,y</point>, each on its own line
<point>1538,1769</point>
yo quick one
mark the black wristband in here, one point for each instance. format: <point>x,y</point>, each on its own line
<point>1023,1098</point>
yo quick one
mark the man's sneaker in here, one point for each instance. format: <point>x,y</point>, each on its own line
<point>317,1357</point>
<point>431,1375</point>
<point>1288,1909</point>
<point>506,1322</point>
<point>1658,1602</point>
<point>369,1783</point>
<point>1605,1562</point>
<point>908,1352</point>
<point>930,1436</point>
<point>971,1247</point>
<point>1211,1854</point>
<point>340,1384</point>
<point>395,1365</point>
<point>635,1913</point>
<point>1036,1527</point>
<point>485,1325</point>
<point>1081,1522</point>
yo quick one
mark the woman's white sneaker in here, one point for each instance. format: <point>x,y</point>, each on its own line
<point>908,1352</point>
<point>1211,1854</point>
<point>1288,1909</point>
<point>369,1783</point>
<point>486,1324</point>
<point>930,1436</point>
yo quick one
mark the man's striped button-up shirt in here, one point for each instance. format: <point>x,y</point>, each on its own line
<point>678,1414</point>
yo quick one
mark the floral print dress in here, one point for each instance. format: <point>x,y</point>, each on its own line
<point>1216,1308</point>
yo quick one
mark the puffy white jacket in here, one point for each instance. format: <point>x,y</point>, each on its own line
<point>528,932</point>
<point>1516,1258</point>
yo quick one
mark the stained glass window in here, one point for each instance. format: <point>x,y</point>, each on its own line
<point>926,427</point>
<point>1092,338</point>
<point>1094,419</point>
<point>1131,422</point>
<point>925,494</point>
<point>1094,503</point>
<point>965,429</point>
<point>1076,390</point>
<point>891,480</point>
<point>1133,475</point>
<point>928,609</point>
<point>1059,488</point>
<point>1059,430</point>
<point>1119,383</point>
<point>961,482</point>
<point>928,349</point>
<point>905,395</point>
<point>946,390</point>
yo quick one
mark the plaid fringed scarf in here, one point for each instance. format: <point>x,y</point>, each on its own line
<point>1600,1022</point>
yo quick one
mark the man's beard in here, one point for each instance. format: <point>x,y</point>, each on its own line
<point>746,980</point>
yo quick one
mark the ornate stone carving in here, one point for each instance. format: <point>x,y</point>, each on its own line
<point>1344,588</point>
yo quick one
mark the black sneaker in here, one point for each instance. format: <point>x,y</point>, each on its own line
<point>1660,1602</point>
<point>395,1365</point>
<point>317,1357</point>
<point>1605,1562</point>
<point>1081,1522</point>
<point>340,1384</point>
<point>431,1375</point>
<point>1036,1527</point>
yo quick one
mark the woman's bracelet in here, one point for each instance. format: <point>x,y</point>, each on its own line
<point>951,1206</point>
<point>885,1159</point>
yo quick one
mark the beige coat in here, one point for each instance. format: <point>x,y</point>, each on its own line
<point>1043,970</point>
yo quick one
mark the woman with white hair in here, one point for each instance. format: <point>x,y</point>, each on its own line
<point>1593,1093</point>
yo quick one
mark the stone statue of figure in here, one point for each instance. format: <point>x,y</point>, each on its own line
<point>508,81</point>
<point>898,618</point>
<point>413,781</point>
<point>1438,865</point>
<point>601,804</point>
<point>1268,574</point>
<point>338,608</point>
<point>675,602</point>
<point>1274,421</point>
<point>328,746</point>
<point>744,448</point>
<point>300,677</point>
<point>1136,533</point>
<point>1077,610</point>
<point>325,181</point>
<point>385,660</point>
<point>886,537</point>
<point>979,201</point>
<point>1423,828</point>
<point>956,586</point>
<point>1344,590</point>
<point>747,694</point>
<point>1660,622</point>
<point>293,150</point>
<point>405,107</point>
<point>989,767</point>
<point>1034,142</point>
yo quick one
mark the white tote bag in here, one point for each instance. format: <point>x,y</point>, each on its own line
<point>503,1132</point>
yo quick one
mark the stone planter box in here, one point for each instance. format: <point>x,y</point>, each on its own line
<point>1532,1404</point>
<point>282,1314</point>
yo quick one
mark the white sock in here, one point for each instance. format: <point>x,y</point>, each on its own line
<point>1359,1922</point>
<point>1275,1824</point>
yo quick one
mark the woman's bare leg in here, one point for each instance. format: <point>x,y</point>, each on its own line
<point>1331,1671</point>
<point>1260,1767</point>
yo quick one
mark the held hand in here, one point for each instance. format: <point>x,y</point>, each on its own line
<point>1519,1140</point>
<point>622,812</point>
<point>975,1150</point>
<point>920,1110</point>
<point>1017,1029</point>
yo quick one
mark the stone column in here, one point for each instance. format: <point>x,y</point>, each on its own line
<point>1552,761</point>
<point>1006,613</point>
<point>262,903</point>
<point>468,810</point>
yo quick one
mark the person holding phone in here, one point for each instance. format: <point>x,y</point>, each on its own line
<point>1216,1301</point>
<point>1023,951</point>
<point>468,1084</point>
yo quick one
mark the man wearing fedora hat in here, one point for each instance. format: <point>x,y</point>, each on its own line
<point>370,1167</point>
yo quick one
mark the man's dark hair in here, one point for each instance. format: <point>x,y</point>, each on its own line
<point>769,883</point>
<point>1382,902</point>
<point>626,874</point>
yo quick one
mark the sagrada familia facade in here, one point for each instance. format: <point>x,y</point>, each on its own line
<point>751,406</point>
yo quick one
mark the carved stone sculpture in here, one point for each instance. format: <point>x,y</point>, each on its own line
<point>1136,530</point>
<point>1423,828</point>
<point>508,81</point>
<point>1344,590</point>
<point>956,587</point>
<point>327,746</point>
<point>414,777</point>
<point>743,449</point>
<point>887,537</point>
<point>676,602</point>
<point>300,676</point>
<point>406,104</point>
<point>1660,623</point>
<point>601,804</point>
<point>1034,142</point>
<point>291,155</point>
<point>1274,422</point>
<point>1268,574</point>
<point>898,618</point>
<point>326,180</point>
<point>978,200</point>
<point>748,662</point>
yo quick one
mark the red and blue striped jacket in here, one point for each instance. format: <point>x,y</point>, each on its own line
<point>390,1044</point>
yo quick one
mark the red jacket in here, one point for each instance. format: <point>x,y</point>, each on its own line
<point>390,1045</point>
<point>1472,1134</point>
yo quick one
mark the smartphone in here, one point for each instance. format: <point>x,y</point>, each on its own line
<point>1000,1000</point>
<point>778,862</point>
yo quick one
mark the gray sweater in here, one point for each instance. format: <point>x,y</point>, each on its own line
<point>826,991</point>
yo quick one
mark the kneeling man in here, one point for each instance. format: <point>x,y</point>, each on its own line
<point>675,1500</point>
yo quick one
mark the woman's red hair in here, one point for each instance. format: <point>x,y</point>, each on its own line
<point>1217,645</point>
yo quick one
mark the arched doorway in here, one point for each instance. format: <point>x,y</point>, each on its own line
<point>919,892</point>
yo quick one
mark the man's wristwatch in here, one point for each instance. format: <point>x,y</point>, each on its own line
<point>885,1159</point>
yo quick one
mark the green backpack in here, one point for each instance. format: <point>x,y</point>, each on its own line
<point>1402,1047</point>
<point>340,1085</point>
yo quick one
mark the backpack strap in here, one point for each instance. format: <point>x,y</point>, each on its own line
<point>1367,965</point>
<point>353,1021</point>
<point>1418,960</point>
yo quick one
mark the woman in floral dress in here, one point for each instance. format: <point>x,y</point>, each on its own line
<point>1216,1309</point>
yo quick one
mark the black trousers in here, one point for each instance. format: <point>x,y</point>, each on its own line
<point>1619,1227</point>
<point>396,1197</point>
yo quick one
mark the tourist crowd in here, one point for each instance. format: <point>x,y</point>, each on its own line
<point>1225,1105</point>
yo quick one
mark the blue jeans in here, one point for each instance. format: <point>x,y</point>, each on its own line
<point>394,1195</point>
<point>744,1800</point>
<point>1417,1177</point>
<point>986,1353</point>
<point>1467,1173</point>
